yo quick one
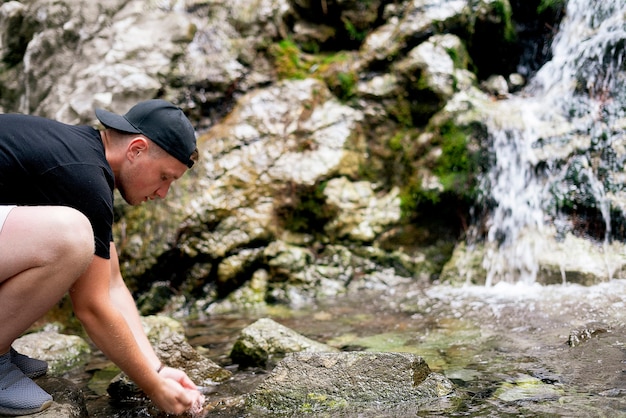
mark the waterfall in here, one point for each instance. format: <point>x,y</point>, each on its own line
<point>538,151</point>
<point>509,257</point>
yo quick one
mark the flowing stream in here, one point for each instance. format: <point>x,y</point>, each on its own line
<point>514,350</point>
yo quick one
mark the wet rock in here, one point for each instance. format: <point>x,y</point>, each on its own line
<point>265,341</point>
<point>497,86</point>
<point>568,259</point>
<point>614,392</point>
<point>363,215</point>
<point>168,338</point>
<point>307,276</point>
<point>231,267</point>
<point>69,401</point>
<point>415,22</point>
<point>465,265</point>
<point>169,342</point>
<point>160,327</point>
<point>257,20</point>
<point>573,259</point>
<point>350,381</point>
<point>311,32</point>
<point>515,81</point>
<point>16,36</point>
<point>62,352</point>
<point>155,299</point>
<point>380,86</point>
<point>262,180</point>
<point>176,352</point>
<point>580,335</point>
<point>436,62</point>
<point>356,17</point>
<point>248,298</point>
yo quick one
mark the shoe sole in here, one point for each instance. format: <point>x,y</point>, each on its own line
<point>19,412</point>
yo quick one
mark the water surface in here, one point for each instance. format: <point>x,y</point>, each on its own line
<point>513,349</point>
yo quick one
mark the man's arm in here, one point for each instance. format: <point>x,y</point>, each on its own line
<point>124,302</point>
<point>110,330</point>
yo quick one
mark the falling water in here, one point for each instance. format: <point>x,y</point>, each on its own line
<point>570,97</point>
<point>509,257</point>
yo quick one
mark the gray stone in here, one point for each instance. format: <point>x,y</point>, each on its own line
<point>62,352</point>
<point>323,382</point>
<point>265,341</point>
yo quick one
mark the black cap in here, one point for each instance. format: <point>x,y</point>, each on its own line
<point>159,120</point>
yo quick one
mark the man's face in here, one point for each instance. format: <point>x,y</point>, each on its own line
<point>147,176</point>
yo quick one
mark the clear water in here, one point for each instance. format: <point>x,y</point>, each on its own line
<point>505,347</point>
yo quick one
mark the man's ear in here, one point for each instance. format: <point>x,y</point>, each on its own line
<point>136,147</point>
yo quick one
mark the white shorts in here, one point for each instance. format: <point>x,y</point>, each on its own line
<point>4,212</point>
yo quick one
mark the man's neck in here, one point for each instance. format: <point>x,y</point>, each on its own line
<point>109,150</point>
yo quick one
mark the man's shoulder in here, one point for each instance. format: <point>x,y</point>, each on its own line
<point>21,118</point>
<point>41,149</point>
<point>34,122</point>
<point>34,134</point>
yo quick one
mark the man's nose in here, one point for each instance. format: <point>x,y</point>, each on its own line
<point>161,192</point>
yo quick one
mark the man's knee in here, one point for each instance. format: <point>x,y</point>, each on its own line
<point>73,232</point>
<point>50,237</point>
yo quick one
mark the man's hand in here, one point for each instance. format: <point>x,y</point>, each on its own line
<point>178,393</point>
<point>178,376</point>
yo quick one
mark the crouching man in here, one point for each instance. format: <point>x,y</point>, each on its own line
<point>56,217</point>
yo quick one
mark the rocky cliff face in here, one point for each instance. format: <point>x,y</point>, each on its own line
<point>343,142</point>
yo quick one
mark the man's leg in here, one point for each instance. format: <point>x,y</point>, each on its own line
<point>43,250</point>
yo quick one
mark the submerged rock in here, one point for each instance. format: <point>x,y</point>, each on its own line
<point>527,388</point>
<point>305,383</point>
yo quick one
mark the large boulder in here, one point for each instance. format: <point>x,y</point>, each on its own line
<point>393,384</point>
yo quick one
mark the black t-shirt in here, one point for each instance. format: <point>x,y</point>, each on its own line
<point>45,162</point>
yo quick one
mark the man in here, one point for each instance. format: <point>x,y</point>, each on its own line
<point>56,213</point>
